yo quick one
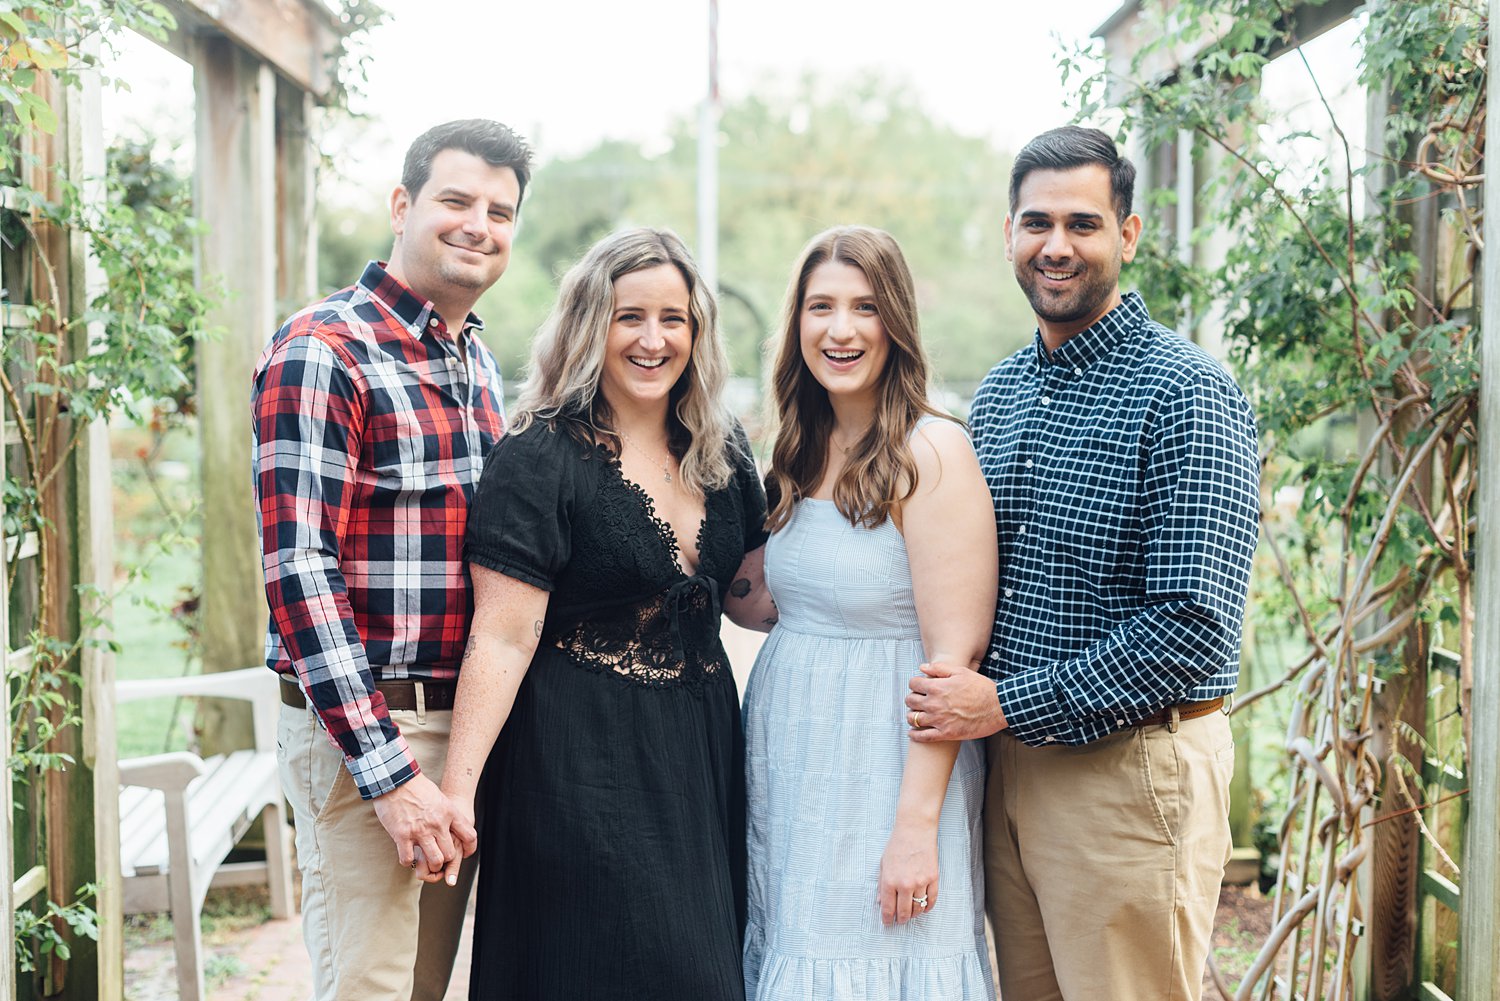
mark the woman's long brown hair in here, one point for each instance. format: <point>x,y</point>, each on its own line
<point>880,472</point>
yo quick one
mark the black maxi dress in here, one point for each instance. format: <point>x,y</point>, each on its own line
<point>612,858</point>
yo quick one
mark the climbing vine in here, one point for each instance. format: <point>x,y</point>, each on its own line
<point>72,356</point>
<point>1346,299</point>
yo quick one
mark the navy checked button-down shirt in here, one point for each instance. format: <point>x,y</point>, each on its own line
<point>372,420</point>
<point>1125,477</point>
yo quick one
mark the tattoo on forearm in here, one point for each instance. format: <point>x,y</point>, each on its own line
<point>774,617</point>
<point>468,771</point>
<point>536,627</point>
<point>469,648</point>
<point>740,588</point>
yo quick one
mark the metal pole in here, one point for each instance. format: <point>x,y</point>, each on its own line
<point>1479,924</point>
<point>708,160</point>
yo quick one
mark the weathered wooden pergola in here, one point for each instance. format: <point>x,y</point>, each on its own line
<point>1395,878</point>
<point>260,68</point>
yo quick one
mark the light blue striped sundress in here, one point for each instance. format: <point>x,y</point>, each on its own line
<point>826,742</point>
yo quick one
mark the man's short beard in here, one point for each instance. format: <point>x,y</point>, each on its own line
<point>1086,302</point>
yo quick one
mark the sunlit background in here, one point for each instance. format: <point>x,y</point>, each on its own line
<point>896,114</point>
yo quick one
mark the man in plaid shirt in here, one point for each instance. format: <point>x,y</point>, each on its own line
<point>373,412</point>
<point>1123,465</point>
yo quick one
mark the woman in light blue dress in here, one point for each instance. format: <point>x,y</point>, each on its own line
<point>865,879</point>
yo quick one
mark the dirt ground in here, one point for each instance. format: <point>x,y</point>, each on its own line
<point>1242,924</point>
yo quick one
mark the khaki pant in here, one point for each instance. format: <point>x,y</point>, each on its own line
<point>1103,862</point>
<point>373,930</point>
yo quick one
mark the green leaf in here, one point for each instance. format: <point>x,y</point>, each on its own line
<point>41,113</point>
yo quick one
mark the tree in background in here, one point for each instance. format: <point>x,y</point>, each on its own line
<point>791,164</point>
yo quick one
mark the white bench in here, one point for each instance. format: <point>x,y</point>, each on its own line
<point>180,815</point>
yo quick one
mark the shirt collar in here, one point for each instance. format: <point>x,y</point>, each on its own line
<point>414,312</point>
<point>1095,342</point>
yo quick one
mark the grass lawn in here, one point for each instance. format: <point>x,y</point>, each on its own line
<point>156,570</point>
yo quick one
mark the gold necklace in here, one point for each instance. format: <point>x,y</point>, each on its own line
<point>666,472</point>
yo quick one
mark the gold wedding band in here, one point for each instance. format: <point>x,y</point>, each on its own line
<point>916,722</point>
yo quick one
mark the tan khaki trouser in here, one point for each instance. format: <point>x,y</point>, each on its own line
<point>1103,862</point>
<point>373,930</point>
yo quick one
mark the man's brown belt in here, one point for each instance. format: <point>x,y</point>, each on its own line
<point>1187,710</point>
<point>436,695</point>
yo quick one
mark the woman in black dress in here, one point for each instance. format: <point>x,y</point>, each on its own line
<point>609,523</point>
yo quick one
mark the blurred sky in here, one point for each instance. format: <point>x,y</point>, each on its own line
<point>568,73</point>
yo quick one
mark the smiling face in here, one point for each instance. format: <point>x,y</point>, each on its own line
<point>844,343</point>
<point>650,339</point>
<point>1067,246</point>
<point>453,235</point>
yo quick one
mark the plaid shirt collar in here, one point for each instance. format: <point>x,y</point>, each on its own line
<point>413,312</point>
<point>1095,342</point>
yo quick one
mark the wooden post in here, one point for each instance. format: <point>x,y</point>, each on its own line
<point>296,203</point>
<point>7,838</point>
<point>96,563</point>
<point>1479,915</point>
<point>234,190</point>
<point>68,794</point>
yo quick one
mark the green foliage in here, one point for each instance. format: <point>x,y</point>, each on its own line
<point>50,41</point>
<point>39,935</point>
<point>790,165</point>
<point>1359,354</point>
<point>66,364</point>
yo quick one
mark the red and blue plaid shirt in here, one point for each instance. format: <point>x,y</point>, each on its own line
<point>372,421</point>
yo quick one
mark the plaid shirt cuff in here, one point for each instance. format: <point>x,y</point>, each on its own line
<point>378,771</point>
<point>1035,712</point>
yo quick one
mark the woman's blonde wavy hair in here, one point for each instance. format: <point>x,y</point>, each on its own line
<point>567,358</point>
<point>881,472</point>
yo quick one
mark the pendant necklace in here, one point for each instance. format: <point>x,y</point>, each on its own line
<point>666,472</point>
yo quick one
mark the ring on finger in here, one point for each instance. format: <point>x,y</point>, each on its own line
<point>920,901</point>
<point>915,719</point>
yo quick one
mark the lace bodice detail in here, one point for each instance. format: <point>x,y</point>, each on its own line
<point>562,517</point>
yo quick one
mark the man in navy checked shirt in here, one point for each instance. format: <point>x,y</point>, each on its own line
<point>1123,465</point>
<point>373,412</point>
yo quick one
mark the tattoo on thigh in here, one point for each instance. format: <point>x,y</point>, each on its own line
<point>740,588</point>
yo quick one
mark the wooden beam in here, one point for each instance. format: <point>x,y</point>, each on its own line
<point>67,801</point>
<point>235,192</point>
<point>299,39</point>
<point>1479,909</point>
<point>94,504</point>
<point>7,837</point>
<point>296,202</point>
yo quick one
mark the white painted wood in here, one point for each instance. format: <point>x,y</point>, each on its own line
<point>7,861</point>
<point>95,547</point>
<point>1479,910</point>
<point>181,815</point>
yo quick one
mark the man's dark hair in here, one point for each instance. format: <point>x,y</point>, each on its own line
<point>492,142</point>
<point>1075,146</point>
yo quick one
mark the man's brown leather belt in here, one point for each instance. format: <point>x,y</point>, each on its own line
<point>436,695</point>
<point>1187,710</point>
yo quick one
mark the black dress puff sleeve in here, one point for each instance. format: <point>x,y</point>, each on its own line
<point>520,522</point>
